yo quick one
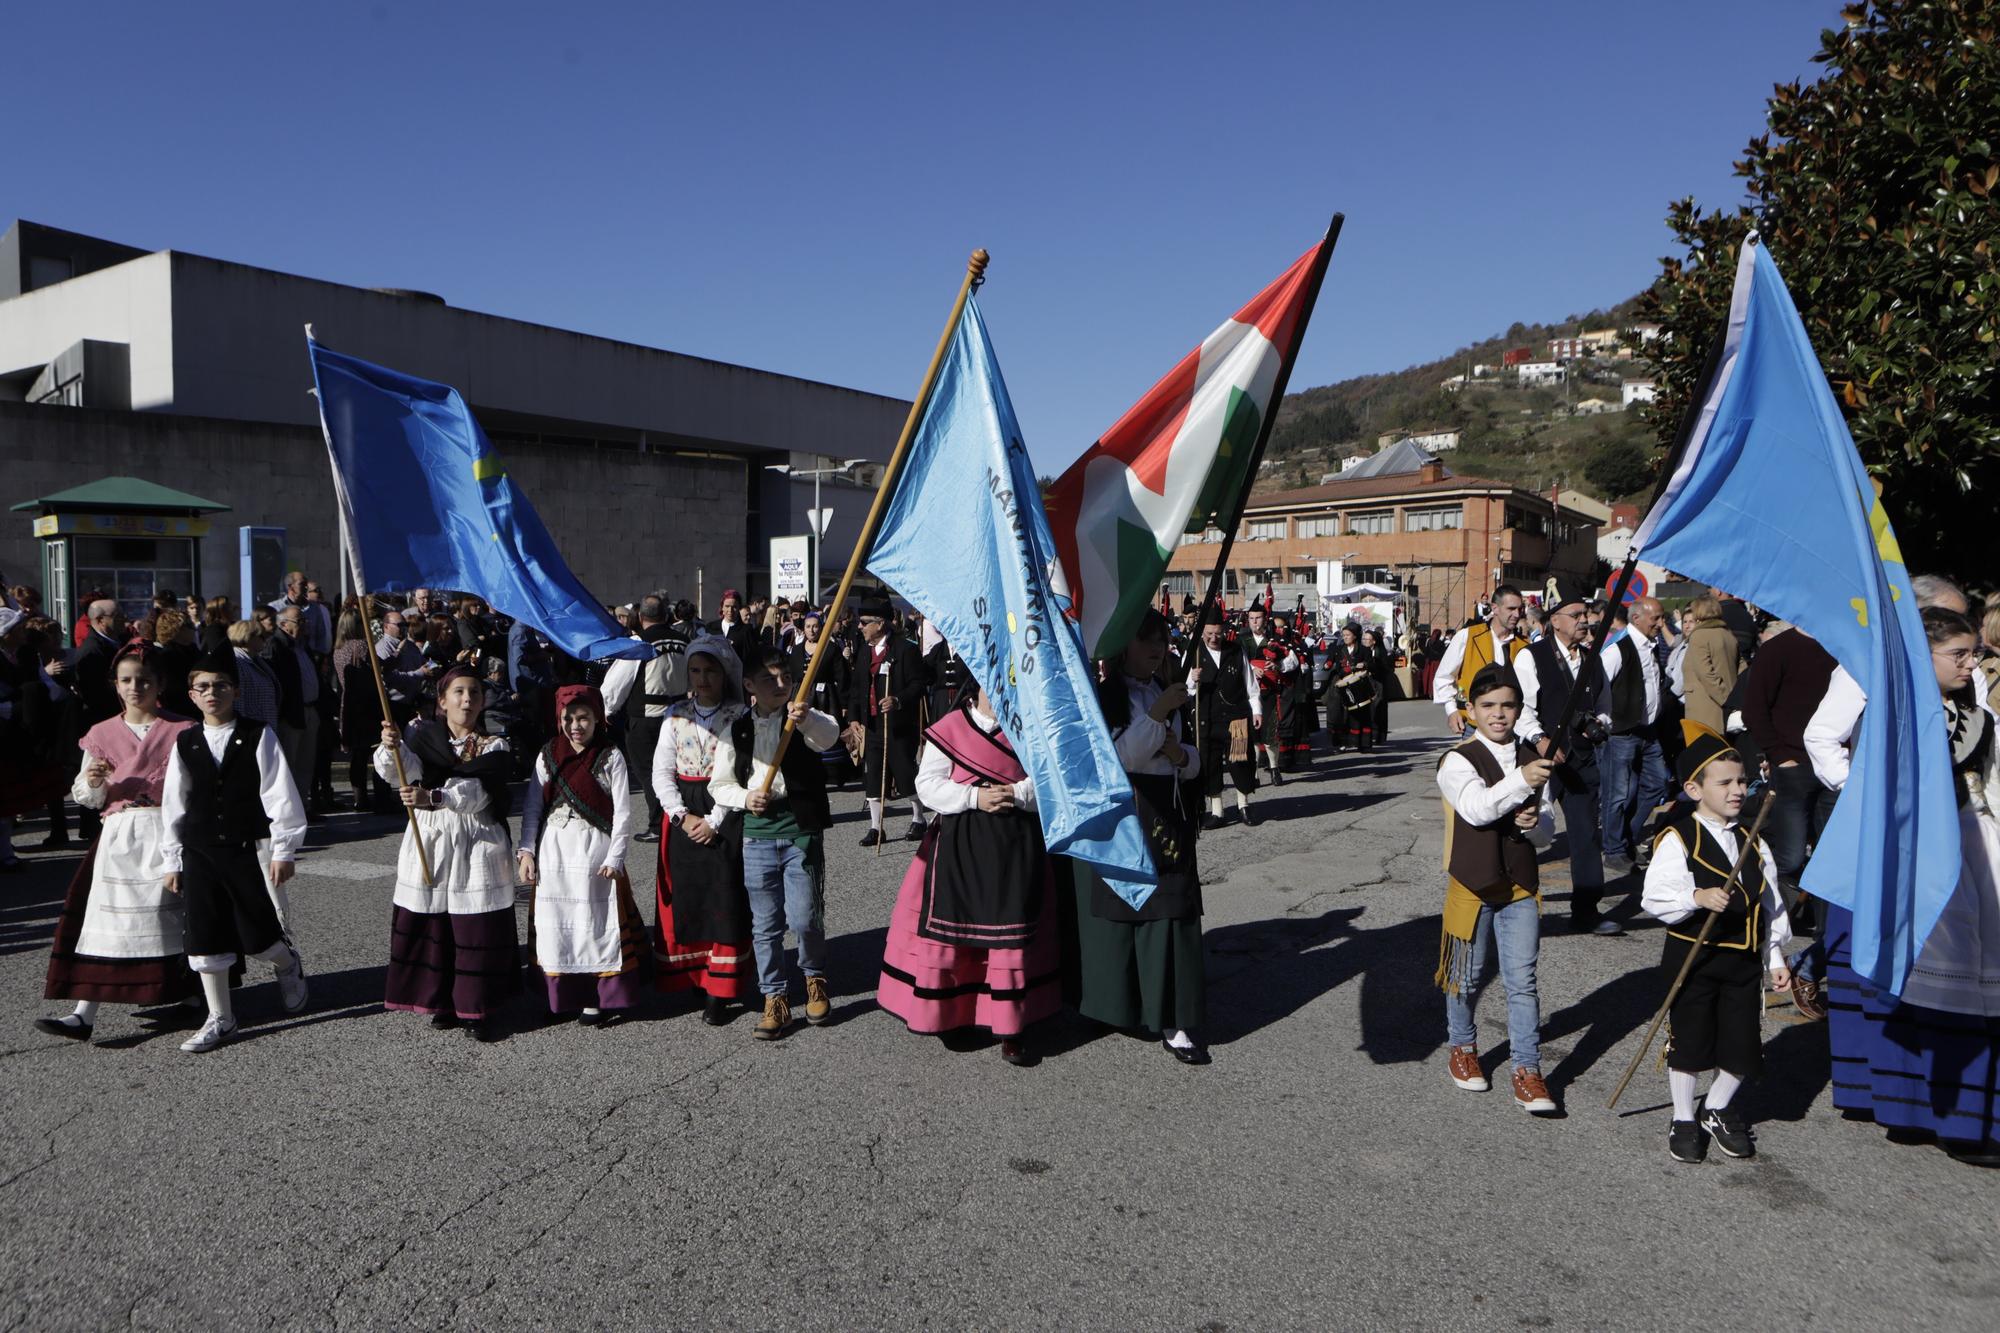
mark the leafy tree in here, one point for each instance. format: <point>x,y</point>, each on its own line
<point>1620,468</point>
<point>1878,192</point>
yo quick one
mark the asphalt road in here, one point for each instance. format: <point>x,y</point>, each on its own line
<point>351,1168</point>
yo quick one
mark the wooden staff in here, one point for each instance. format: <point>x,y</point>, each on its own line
<point>1743,855</point>
<point>382,695</point>
<point>975,272</point>
<point>883,795</point>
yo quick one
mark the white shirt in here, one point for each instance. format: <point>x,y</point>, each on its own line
<point>1669,891</point>
<point>1479,805</point>
<point>618,682</point>
<point>274,785</point>
<point>617,780</point>
<point>1649,670</point>
<point>938,792</point>
<point>815,729</point>
<point>465,796</point>
<point>1444,690</point>
<point>1529,674</point>
<point>1138,742</point>
<point>1829,737</point>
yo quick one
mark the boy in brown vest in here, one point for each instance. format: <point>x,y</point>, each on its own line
<point>1496,817</point>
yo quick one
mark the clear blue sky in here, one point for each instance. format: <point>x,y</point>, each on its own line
<point>796,186</point>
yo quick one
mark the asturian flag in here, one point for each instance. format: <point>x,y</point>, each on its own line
<point>1770,501</point>
<point>425,503</point>
<point>1176,461</point>
<point>965,541</point>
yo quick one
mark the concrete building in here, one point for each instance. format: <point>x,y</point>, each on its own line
<point>650,467</point>
<point>1432,439</point>
<point>1534,373</point>
<point>1442,538</point>
<point>1637,391</point>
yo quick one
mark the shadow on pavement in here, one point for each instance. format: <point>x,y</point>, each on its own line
<point>1291,971</point>
<point>1307,804</point>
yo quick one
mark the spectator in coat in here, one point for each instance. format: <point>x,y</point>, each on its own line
<point>1714,659</point>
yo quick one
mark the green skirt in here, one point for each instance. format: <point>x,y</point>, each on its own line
<point>1135,975</point>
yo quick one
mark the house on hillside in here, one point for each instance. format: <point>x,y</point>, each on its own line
<point>1483,371</point>
<point>1601,342</point>
<point>1567,349</point>
<point>1590,407</point>
<point>1433,438</point>
<point>1637,391</point>
<point>1514,356</point>
<point>1536,374</point>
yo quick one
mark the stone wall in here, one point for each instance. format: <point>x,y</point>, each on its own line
<point>625,521</point>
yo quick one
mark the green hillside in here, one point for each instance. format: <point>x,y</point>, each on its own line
<point>1532,437</point>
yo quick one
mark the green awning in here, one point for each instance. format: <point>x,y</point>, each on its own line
<point>123,495</point>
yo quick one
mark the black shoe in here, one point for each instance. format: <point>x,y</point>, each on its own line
<point>1196,1054</point>
<point>1983,1152</point>
<point>56,843</point>
<point>1277,778</point>
<point>715,1011</point>
<point>871,837</point>
<point>444,1022</point>
<point>1211,821</point>
<point>915,833</point>
<point>1249,820</point>
<point>484,1032</point>
<point>1685,1142</point>
<point>1015,1052</point>
<point>646,835</point>
<point>1726,1127</point>
<point>588,1020</point>
<point>610,1018</point>
<point>55,1027</point>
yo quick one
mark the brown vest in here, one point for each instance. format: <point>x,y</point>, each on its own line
<point>1494,856</point>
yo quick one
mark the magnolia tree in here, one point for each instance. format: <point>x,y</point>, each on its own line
<point>1878,192</point>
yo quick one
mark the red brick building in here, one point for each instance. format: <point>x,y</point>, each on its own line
<point>1447,539</point>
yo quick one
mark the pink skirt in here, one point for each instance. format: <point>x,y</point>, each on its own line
<point>936,987</point>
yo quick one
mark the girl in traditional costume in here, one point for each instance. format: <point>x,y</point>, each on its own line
<point>1927,1061</point>
<point>119,935</point>
<point>1141,969</point>
<point>702,939</point>
<point>973,939</point>
<point>452,950</point>
<point>589,938</point>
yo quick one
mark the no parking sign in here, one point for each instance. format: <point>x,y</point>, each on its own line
<point>1636,589</point>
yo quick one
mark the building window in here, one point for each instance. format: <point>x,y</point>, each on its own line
<point>1434,520</point>
<point>1265,530</point>
<point>1525,520</point>
<point>1370,524</point>
<point>1304,574</point>
<point>1327,525</point>
<point>1191,539</point>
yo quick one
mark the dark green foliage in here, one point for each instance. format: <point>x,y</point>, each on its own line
<point>1619,469</point>
<point>1875,191</point>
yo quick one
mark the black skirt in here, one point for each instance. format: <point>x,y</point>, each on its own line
<point>709,902</point>
<point>984,876</point>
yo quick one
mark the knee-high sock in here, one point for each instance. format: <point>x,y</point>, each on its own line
<point>1215,806</point>
<point>280,956</point>
<point>215,989</point>
<point>1242,800</point>
<point>1723,1090</point>
<point>1682,1086</point>
<point>875,814</point>
<point>918,815</point>
<point>86,1012</point>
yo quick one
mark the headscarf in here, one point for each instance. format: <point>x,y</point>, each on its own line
<point>584,694</point>
<point>573,773</point>
<point>717,647</point>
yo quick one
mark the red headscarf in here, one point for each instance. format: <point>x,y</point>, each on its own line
<point>572,773</point>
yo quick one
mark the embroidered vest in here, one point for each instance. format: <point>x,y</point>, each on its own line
<point>1742,924</point>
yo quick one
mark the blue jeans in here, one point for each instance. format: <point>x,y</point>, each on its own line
<point>1632,776</point>
<point>1799,810</point>
<point>1517,929</point>
<point>787,887</point>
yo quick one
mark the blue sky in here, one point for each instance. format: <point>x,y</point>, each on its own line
<point>796,186</point>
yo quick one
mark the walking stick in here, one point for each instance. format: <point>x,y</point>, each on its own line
<point>1743,855</point>
<point>883,797</point>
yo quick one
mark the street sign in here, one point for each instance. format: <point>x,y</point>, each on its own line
<point>1633,592</point>
<point>791,568</point>
<point>819,519</point>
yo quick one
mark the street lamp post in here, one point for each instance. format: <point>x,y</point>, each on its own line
<point>818,522</point>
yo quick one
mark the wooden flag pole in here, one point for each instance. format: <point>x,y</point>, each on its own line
<point>975,273</point>
<point>382,695</point>
<point>1743,855</point>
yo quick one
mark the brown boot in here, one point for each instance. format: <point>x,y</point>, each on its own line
<point>777,1017</point>
<point>819,1007</point>
<point>1807,999</point>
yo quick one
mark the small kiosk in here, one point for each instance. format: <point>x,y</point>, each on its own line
<point>126,537</point>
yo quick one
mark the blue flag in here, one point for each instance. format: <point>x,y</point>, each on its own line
<point>965,540</point>
<point>1771,501</point>
<point>427,504</point>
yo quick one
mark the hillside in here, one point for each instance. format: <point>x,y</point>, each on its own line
<point>1527,435</point>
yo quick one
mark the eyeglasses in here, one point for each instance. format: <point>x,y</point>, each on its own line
<point>1956,654</point>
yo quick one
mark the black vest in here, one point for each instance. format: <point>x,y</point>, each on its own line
<point>1628,690</point>
<point>1223,692</point>
<point>1490,857</point>
<point>225,804</point>
<point>1741,925</point>
<point>805,774</point>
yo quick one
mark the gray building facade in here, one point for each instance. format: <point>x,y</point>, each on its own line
<point>651,468</point>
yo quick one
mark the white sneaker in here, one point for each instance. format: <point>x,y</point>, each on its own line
<point>213,1033</point>
<point>292,985</point>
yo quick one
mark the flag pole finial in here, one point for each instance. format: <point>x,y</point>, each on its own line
<point>975,267</point>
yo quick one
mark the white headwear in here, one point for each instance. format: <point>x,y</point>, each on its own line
<point>9,617</point>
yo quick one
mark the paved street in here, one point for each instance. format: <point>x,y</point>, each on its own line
<point>352,1168</point>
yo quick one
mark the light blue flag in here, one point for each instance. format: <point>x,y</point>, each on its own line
<point>1771,502</point>
<point>965,540</point>
<point>427,504</point>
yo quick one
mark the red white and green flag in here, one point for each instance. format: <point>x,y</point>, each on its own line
<point>1176,462</point>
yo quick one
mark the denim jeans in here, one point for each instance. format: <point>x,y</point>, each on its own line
<point>787,887</point>
<point>1632,777</point>
<point>1799,809</point>
<point>1517,929</point>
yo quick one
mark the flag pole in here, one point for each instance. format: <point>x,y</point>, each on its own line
<point>1729,885</point>
<point>1271,417</point>
<point>975,273</point>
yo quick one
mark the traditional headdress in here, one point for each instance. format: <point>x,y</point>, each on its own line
<point>580,694</point>
<point>873,606</point>
<point>217,661</point>
<point>716,647</point>
<point>1703,748</point>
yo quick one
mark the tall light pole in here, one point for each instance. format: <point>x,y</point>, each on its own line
<point>819,520</point>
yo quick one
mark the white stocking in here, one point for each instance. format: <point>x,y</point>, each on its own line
<point>215,988</point>
<point>1723,1090</point>
<point>1681,1084</point>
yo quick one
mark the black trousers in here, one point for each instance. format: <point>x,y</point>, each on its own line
<point>1714,1023</point>
<point>229,909</point>
<point>642,738</point>
<point>901,758</point>
<point>1574,785</point>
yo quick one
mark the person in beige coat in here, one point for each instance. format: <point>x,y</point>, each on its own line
<point>1713,663</point>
